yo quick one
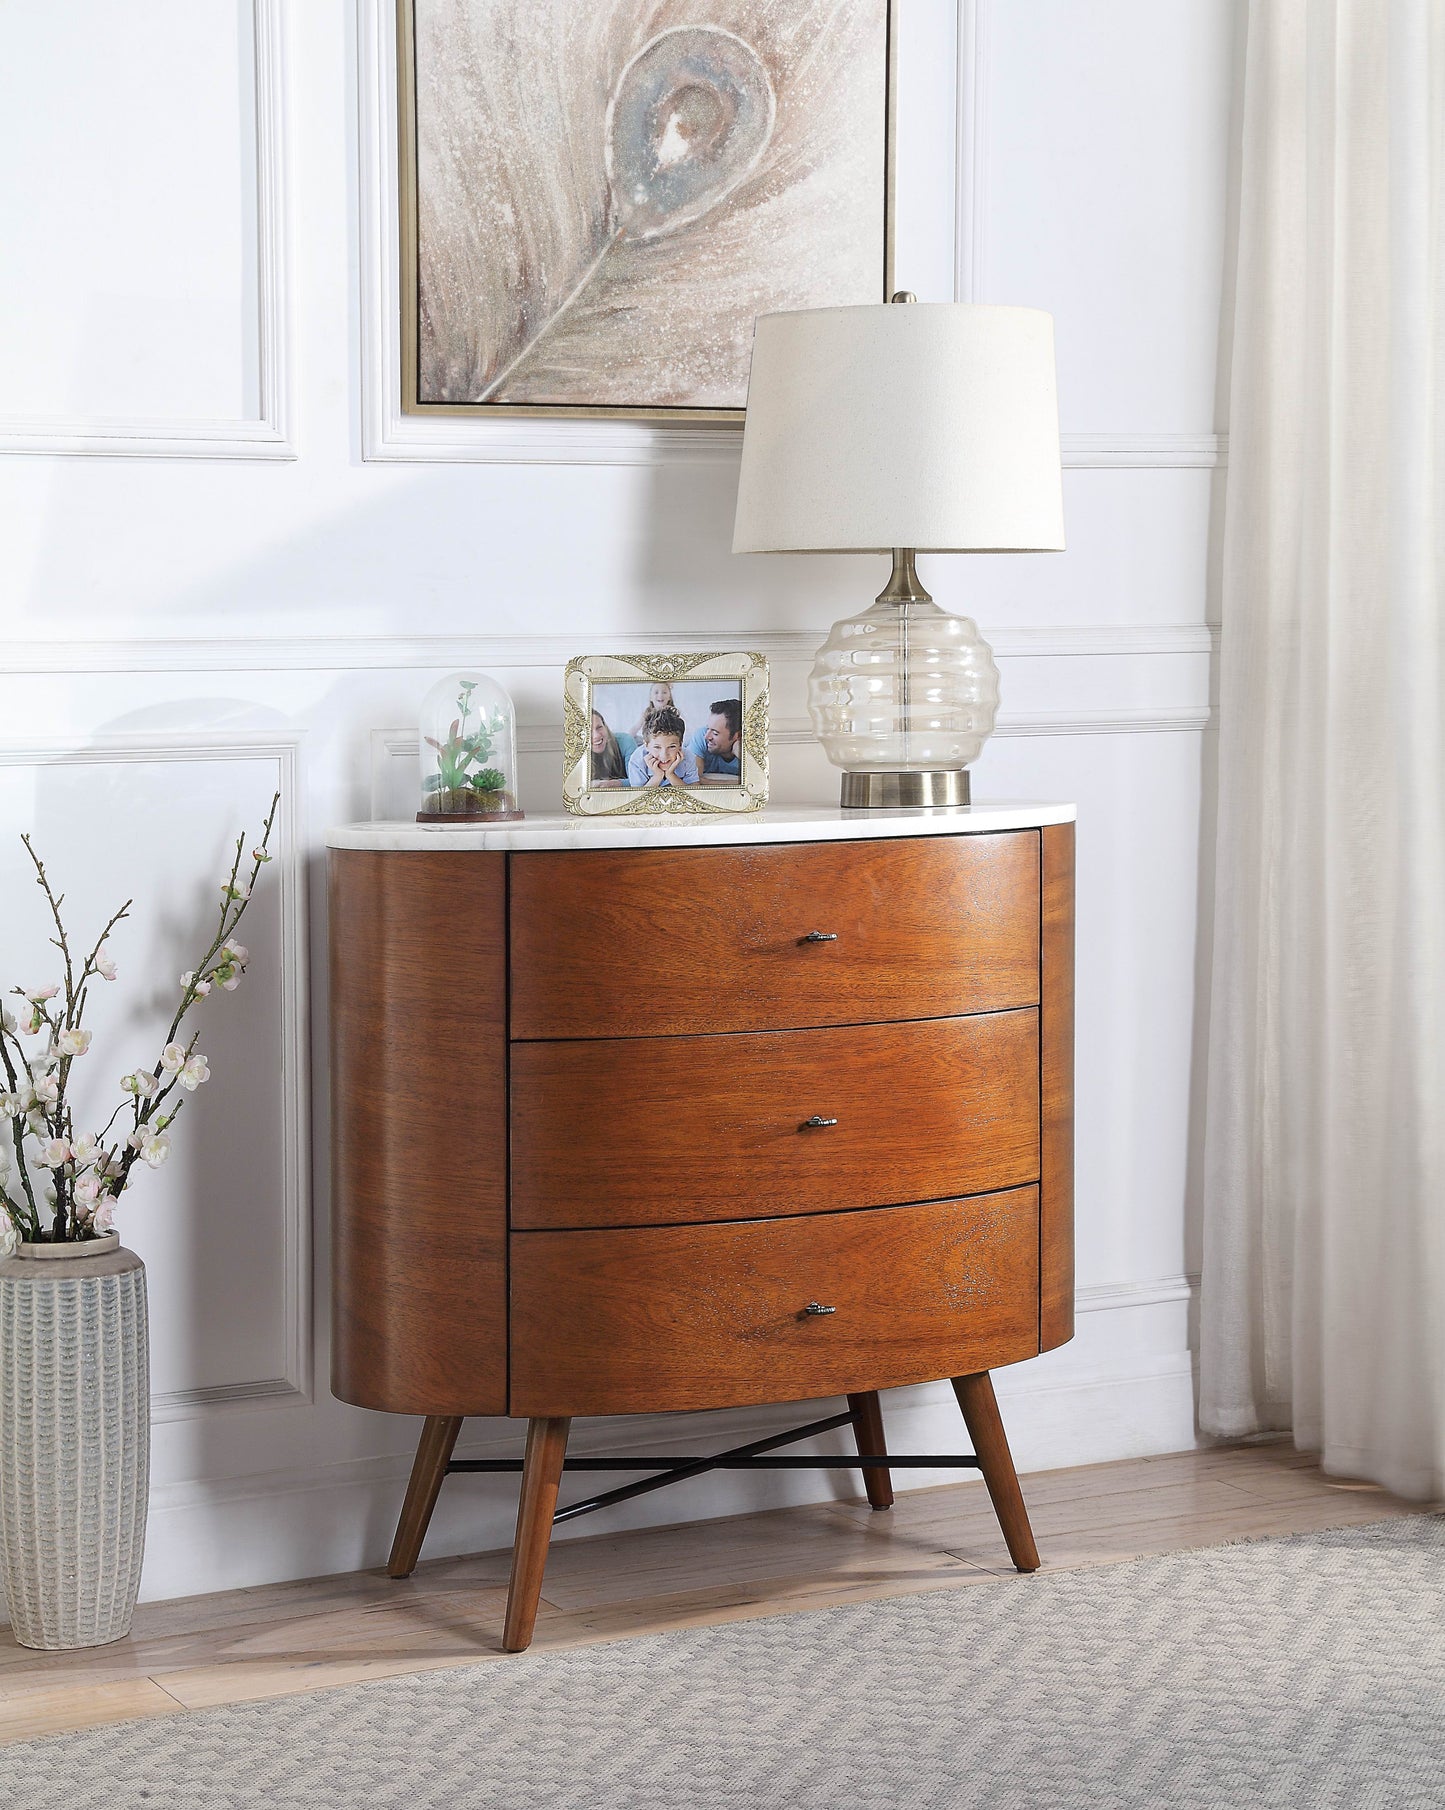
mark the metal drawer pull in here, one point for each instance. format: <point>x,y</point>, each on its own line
<point>821,936</point>
<point>816,1121</point>
<point>817,1307</point>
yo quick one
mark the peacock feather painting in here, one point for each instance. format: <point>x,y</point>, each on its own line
<point>608,191</point>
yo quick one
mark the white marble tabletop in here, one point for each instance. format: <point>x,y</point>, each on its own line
<point>777,823</point>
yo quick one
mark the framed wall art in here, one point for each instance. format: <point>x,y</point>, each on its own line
<point>665,732</point>
<point>599,196</point>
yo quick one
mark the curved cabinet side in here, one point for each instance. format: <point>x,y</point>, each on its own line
<point>418,1131</point>
<point>1056,1089</point>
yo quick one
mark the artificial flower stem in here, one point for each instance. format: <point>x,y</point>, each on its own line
<point>59,939</point>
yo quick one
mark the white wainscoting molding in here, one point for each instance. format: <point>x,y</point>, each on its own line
<point>1120,451</point>
<point>970,165</point>
<point>1104,1297</point>
<point>390,434</point>
<point>294,1384</point>
<point>443,653</point>
<point>388,745</point>
<point>1183,719</point>
<point>1144,452</point>
<point>269,435</point>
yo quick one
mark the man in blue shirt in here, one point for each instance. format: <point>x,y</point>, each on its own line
<point>717,746</point>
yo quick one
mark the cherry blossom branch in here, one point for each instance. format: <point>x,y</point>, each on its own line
<point>88,1174</point>
<point>59,939</point>
<point>17,1137</point>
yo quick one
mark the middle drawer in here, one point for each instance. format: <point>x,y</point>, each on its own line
<point>677,1130</point>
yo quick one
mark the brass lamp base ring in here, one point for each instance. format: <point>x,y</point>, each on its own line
<point>944,789</point>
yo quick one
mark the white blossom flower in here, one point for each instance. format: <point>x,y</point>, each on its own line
<point>236,952</point>
<point>44,1088</point>
<point>154,1146</point>
<point>87,1193</point>
<point>38,995</point>
<point>33,1023</point>
<point>195,1071</point>
<point>173,1058</point>
<point>8,1021</point>
<point>56,1154</point>
<point>236,889</point>
<point>12,1105</point>
<point>104,966</point>
<point>103,1219</point>
<point>82,1149</point>
<point>199,987</point>
<point>141,1082</point>
<point>73,1042</point>
<point>260,856</point>
<point>108,1168</point>
<point>9,1237</point>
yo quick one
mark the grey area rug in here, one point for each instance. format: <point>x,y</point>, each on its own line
<point>1304,1671</point>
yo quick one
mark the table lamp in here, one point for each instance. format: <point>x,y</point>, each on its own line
<point>890,429</point>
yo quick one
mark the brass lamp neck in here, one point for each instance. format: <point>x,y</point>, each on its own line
<point>903,586</point>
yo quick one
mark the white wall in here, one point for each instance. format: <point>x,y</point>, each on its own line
<point>230,565</point>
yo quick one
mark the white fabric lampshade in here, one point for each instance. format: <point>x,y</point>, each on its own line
<point>924,425</point>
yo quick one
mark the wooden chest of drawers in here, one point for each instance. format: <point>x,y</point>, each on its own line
<point>642,1128</point>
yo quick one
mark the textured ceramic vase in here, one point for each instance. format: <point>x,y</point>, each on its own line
<point>74,1440</point>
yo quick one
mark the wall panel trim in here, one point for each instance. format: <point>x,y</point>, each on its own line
<point>1107,451</point>
<point>1183,719</point>
<point>368,653</point>
<point>970,151</point>
<point>294,1385</point>
<point>268,436</point>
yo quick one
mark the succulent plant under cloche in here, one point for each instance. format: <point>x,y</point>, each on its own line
<point>468,752</point>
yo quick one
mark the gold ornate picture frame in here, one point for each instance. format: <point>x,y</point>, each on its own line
<point>648,734</point>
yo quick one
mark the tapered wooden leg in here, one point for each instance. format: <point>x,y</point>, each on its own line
<point>985,1428</point>
<point>868,1431</point>
<point>541,1474</point>
<point>433,1454</point>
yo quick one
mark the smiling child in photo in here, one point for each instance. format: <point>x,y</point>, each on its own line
<point>661,760</point>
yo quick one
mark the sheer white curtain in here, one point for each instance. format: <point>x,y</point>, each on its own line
<point>1324,1259</point>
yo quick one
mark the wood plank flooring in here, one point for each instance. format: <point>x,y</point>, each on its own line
<point>280,1639</point>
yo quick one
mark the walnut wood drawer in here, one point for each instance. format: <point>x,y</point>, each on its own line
<point>654,942</point>
<point>675,1317</point>
<point>671,1130</point>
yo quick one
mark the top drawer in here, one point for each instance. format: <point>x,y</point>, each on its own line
<point>667,942</point>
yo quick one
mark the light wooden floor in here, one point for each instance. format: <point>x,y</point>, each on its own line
<point>280,1639</point>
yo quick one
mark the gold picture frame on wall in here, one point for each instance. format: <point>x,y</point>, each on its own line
<point>596,201</point>
<point>676,733</point>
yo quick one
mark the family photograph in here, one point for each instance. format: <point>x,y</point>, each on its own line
<point>687,733</point>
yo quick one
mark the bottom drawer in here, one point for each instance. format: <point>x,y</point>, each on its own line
<point>709,1316</point>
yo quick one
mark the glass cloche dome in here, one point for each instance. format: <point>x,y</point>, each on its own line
<point>468,736</point>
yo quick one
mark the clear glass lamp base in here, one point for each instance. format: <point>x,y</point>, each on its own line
<point>903,698</point>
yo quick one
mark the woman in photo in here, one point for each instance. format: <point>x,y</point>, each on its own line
<point>660,759</point>
<point>659,698</point>
<point>609,765</point>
